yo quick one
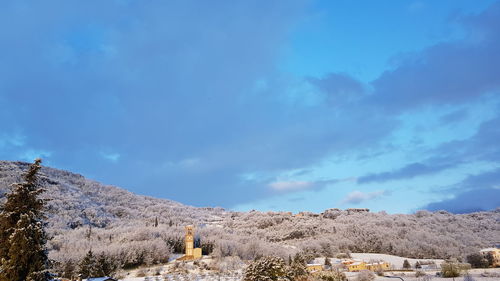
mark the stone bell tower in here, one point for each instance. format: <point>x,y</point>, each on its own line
<point>191,252</point>
<point>189,240</point>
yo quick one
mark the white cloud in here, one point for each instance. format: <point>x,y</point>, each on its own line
<point>290,185</point>
<point>113,157</point>
<point>12,140</point>
<point>31,154</point>
<point>357,197</point>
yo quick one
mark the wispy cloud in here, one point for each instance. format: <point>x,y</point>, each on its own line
<point>407,172</point>
<point>357,197</point>
<point>291,185</point>
<point>111,156</point>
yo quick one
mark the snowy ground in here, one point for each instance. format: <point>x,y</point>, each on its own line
<point>184,278</point>
<point>474,273</point>
<point>396,261</point>
<point>197,275</point>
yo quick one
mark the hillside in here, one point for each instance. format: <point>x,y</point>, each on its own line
<point>119,225</point>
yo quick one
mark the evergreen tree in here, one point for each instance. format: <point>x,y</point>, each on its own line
<point>105,265</point>
<point>328,262</point>
<point>22,235</point>
<point>69,269</point>
<point>88,266</point>
<point>406,264</point>
<point>298,267</point>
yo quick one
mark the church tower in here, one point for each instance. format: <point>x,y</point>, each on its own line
<point>191,253</point>
<point>189,240</point>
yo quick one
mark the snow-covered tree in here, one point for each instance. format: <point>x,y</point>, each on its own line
<point>22,235</point>
<point>267,269</point>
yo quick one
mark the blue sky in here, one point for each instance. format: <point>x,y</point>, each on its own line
<point>270,105</point>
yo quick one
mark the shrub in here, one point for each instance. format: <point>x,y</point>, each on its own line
<point>419,273</point>
<point>450,269</point>
<point>331,276</point>
<point>477,260</point>
<point>365,275</point>
<point>267,269</point>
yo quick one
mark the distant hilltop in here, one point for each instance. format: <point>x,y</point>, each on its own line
<point>139,229</point>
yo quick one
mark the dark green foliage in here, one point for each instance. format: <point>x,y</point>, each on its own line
<point>477,260</point>
<point>177,245</point>
<point>298,267</point>
<point>88,266</point>
<point>207,247</point>
<point>69,270</point>
<point>96,266</point>
<point>406,264</point>
<point>328,262</point>
<point>22,235</point>
<point>105,265</point>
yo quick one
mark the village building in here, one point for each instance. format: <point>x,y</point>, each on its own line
<point>378,266</point>
<point>191,252</point>
<point>355,265</point>
<point>314,267</point>
<point>98,279</point>
<point>495,254</point>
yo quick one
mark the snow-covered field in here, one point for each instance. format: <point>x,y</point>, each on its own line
<point>474,273</point>
<point>396,261</point>
<point>183,278</point>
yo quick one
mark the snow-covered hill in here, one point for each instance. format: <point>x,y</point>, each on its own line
<point>120,226</point>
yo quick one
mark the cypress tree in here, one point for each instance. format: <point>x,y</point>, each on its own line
<point>406,264</point>
<point>328,262</point>
<point>22,235</point>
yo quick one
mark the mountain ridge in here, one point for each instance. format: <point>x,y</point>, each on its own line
<point>84,214</point>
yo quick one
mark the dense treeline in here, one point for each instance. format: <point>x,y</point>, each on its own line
<point>131,230</point>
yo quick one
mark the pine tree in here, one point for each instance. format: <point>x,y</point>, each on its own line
<point>88,266</point>
<point>22,235</point>
<point>69,269</point>
<point>105,265</point>
<point>406,264</point>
